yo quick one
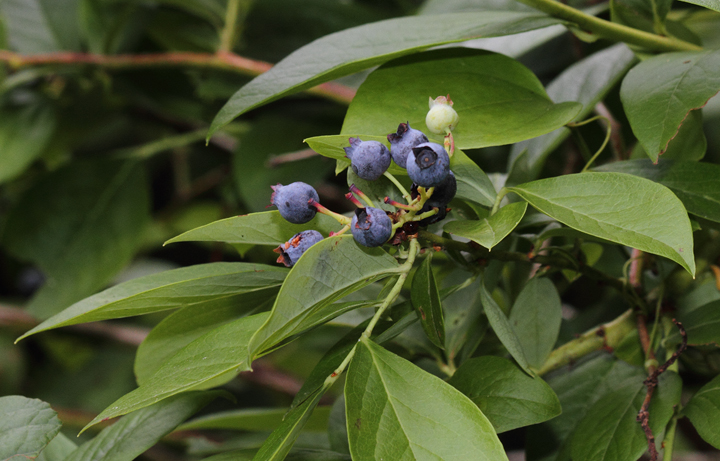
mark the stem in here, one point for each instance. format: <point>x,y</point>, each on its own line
<point>669,441</point>
<point>607,335</point>
<point>608,133</point>
<point>610,30</point>
<point>228,34</point>
<point>344,220</point>
<point>449,144</point>
<point>359,193</point>
<point>400,187</point>
<point>496,206</point>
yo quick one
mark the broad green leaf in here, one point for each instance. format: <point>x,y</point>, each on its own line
<point>618,207</point>
<point>256,419</point>
<point>24,135</point>
<point>277,446</point>
<point>58,449</point>
<point>41,26</point>
<point>689,144</point>
<point>220,353</point>
<point>710,4</point>
<point>169,290</point>
<point>267,228</point>
<point>702,324</point>
<point>499,100</point>
<point>180,328</point>
<point>80,224</point>
<point>303,454</point>
<point>508,397</point>
<point>695,184</point>
<point>536,317</point>
<point>426,301</point>
<point>463,318</point>
<point>397,411</point>
<point>473,184</point>
<point>329,270</point>
<point>586,82</point>
<point>337,427</point>
<point>610,432</point>
<point>135,433</point>
<point>332,146</point>
<point>703,410</point>
<point>659,93</point>
<point>503,329</point>
<point>26,427</point>
<point>339,54</point>
<point>489,231</point>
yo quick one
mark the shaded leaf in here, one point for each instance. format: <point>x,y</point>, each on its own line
<point>701,324</point>
<point>489,231</point>
<point>26,427</point>
<point>24,135</point>
<point>426,301</point>
<point>659,93</point>
<point>256,419</point>
<point>168,290</point>
<point>338,54</point>
<point>216,356</point>
<point>695,184</point>
<point>536,317</point>
<point>508,397</point>
<point>59,448</point>
<point>397,411</point>
<point>135,433</point>
<point>703,410</point>
<point>710,4</point>
<point>41,26</point>
<point>503,329</point>
<point>499,101</point>
<point>473,184</point>
<point>599,204</point>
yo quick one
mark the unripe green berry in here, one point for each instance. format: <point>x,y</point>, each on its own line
<point>441,118</point>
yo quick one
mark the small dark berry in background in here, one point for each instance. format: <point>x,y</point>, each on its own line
<point>292,201</point>
<point>298,244</point>
<point>443,193</point>
<point>439,216</point>
<point>428,164</point>
<point>368,159</point>
<point>402,142</point>
<point>371,227</point>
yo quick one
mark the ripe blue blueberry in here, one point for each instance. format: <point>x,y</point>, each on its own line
<point>428,164</point>
<point>402,142</point>
<point>371,227</point>
<point>298,244</point>
<point>368,159</point>
<point>292,201</point>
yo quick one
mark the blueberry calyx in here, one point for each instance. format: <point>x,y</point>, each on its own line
<point>298,244</point>
<point>424,157</point>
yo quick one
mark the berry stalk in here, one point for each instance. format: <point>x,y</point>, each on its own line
<point>344,220</point>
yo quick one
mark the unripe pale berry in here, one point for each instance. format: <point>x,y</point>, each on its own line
<point>441,118</point>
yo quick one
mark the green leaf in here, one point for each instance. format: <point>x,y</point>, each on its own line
<point>489,231</point>
<point>710,4</point>
<point>217,355</point>
<point>24,135</point>
<point>267,228</point>
<point>379,189</point>
<point>610,432</point>
<point>689,144</point>
<point>395,410</point>
<point>659,93</point>
<point>618,207</point>
<point>701,324</point>
<point>329,270</point>
<point>473,184</point>
<point>587,82</point>
<point>695,184</point>
<point>255,419</point>
<point>277,446</point>
<point>703,410</point>
<point>426,301</point>
<point>169,290</point>
<point>180,328</point>
<point>135,433</point>
<point>503,329</point>
<point>536,317</point>
<point>508,397</point>
<point>26,427</point>
<point>339,54</point>
<point>41,26</point>
<point>59,448</point>
<point>463,318</point>
<point>81,225</point>
<point>499,101</point>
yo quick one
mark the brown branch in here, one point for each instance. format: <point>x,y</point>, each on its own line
<point>616,140</point>
<point>651,383</point>
<point>277,160</point>
<point>221,60</point>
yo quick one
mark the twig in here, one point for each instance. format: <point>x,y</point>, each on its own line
<point>651,383</point>
<point>227,61</point>
<point>616,140</point>
<point>277,160</point>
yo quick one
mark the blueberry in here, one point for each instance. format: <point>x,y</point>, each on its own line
<point>298,244</point>
<point>443,193</point>
<point>371,227</point>
<point>428,164</point>
<point>292,201</point>
<point>403,141</point>
<point>368,159</point>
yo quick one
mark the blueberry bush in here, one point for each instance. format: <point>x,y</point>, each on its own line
<point>439,230</point>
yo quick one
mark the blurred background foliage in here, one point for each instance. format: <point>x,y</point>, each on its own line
<point>100,163</point>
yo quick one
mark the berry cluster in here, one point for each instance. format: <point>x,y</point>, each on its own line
<point>427,164</point>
